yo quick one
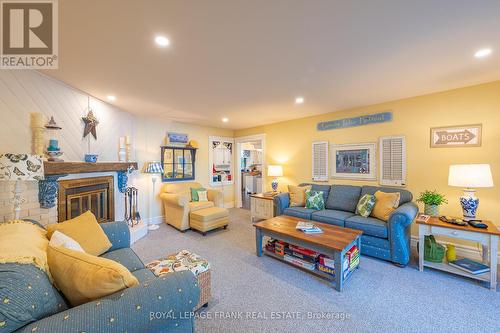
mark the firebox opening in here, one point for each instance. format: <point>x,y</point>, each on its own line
<point>76,196</point>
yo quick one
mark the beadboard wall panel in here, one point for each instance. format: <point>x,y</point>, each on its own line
<point>26,91</point>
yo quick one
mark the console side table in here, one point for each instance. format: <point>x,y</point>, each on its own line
<point>261,207</point>
<point>487,237</point>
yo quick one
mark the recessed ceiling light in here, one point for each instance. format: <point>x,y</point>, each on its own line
<point>162,41</point>
<point>483,53</point>
<point>299,100</point>
<point>111,98</point>
<point>225,120</point>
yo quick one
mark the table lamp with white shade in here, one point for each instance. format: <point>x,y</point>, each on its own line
<point>153,168</point>
<point>275,171</point>
<point>469,177</point>
<point>19,168</point>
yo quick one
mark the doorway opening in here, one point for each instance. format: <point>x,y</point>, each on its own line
<point>250,163</point>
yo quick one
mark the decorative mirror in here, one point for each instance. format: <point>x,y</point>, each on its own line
<point>178,163</point>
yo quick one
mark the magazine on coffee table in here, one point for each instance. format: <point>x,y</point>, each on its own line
<point>308,228</point>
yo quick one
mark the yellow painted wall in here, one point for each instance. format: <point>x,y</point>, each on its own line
<point>150,135</point>
<point>289,143</point>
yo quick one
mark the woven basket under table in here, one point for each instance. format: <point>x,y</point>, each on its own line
<point>204,282</point>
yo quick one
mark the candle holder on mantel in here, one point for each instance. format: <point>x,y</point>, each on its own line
<point>53,151</point>
<point>37,125</point>
<point>124,149</point>
<point>128,146</point>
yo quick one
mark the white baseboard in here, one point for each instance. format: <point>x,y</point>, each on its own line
<point>155,220</point>
<point>461,250</point>
<point>229,204</point>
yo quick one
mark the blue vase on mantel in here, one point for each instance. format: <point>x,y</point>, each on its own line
<point>90,158</point>
<point>469,203</point>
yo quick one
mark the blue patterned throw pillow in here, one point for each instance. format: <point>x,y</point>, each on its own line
<point>315,200</point>
<point>365,205</point>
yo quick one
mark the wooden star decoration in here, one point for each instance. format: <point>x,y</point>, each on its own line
<point>91,123</point>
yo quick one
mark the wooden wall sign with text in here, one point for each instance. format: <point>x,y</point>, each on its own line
<point>355,121</point>
<point>456,136</point>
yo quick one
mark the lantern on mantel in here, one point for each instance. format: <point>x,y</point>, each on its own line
<point>53,151</point>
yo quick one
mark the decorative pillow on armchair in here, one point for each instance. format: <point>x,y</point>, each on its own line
<point>194,193</point>
<point>315,200</point>
<point>365,205</point>
<point>202,196</point>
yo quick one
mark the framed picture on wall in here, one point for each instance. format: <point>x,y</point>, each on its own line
<point>456,136</point>
<point>220,158</point>
<point>354,161</point>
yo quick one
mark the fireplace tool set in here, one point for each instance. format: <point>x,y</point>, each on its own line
<point>132,216</point>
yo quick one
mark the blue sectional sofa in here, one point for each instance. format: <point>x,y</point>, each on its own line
<point>385,240</point>
<point>30,303</point>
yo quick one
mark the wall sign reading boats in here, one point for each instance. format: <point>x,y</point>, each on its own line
<point>456,136</point>
<point>355,121</point>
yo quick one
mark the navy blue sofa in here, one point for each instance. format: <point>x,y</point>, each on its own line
<point>157,304</point>
<point>385,240</point>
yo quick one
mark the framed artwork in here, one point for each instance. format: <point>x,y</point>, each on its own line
<point>354,161</point>
<point>456,136</point>
<point>220,158</point>
<point>177,138</point>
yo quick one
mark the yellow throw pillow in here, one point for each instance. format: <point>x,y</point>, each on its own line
<point>298,195</point>
<point>385,204</point>
<point>82,277</point>
<point>86,231</point>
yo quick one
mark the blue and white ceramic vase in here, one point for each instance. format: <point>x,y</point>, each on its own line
<point>469,203</point>
<point>274,184</point>
<point>90,158</point>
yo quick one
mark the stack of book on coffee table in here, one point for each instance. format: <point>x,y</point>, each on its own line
<point>351,261</point>
<point>290,243</point>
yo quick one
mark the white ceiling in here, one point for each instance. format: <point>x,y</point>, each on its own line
<point>248,60</point>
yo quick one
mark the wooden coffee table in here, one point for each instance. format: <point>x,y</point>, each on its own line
<point>334,241</point>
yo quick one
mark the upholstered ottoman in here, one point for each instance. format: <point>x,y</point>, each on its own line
<point>208,219</point>
<point>186,261</point>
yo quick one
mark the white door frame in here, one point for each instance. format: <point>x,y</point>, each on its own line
<point>237,184</point>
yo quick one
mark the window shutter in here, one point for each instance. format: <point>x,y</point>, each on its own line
<point>320,161</point>
<point>393,161</point>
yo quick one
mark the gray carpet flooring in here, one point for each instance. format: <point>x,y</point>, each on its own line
<point>252,294</point>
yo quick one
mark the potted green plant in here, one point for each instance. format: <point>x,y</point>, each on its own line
<point>432,200</point>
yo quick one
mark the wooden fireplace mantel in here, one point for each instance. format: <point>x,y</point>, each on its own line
<point>65,168</point>
<point>48,187</point>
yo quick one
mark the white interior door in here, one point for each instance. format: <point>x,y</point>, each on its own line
<point>238,179</point>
